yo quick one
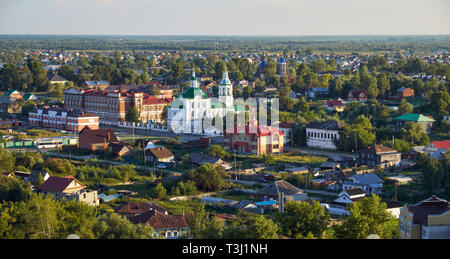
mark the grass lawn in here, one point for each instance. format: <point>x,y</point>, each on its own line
<point>143,189</point>
<point>283,159</point>
<point>237,196</point>
<point>296,158</point>
<point>410,193</point>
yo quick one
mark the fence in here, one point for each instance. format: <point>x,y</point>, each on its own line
<point>144,126</point>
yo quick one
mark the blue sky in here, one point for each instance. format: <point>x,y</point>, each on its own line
<point>225,17</point>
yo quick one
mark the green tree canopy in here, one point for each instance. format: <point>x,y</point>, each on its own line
<point>132,115</point>
<point>302,218</point>
<point>367,216</point>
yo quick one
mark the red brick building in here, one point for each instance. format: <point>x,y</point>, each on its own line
<point>405,92</point>
<point>62,118</point>
<point>96,139</point>
<point>111,106</point>
<point>254,139</point>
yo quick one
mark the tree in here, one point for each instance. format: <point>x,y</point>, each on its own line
<point>302,105</point>
<point>113,226</point>
<point>155,91</point>
<point>217,151</point>
<point>336,86</point>
<point>59,166</point>
<point>26,108</point>
<point>268,159</point>
<point>247,92</point>
<point>260,227</point>
<point>367,216</point>
<point>165,113</point>
<point>368,83</point>
<point>208,178</point>
<point>213,229</point>
<point>383,84</point>
<point>434,173</point>
<point>125,172</point>
<point>404,107</point>
<point>198,223</point>
<point>132,115</point>
<point>12,189</point>
<point>159,192</point>
<point>440,101</point>
<point>301,218</point>
<point>39,74</point>
<point>414,134</point>
<point>360,131</point>
<point>7,161</point>
<point>251,226</point>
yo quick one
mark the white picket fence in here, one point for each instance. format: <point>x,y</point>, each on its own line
<point>144,126</point>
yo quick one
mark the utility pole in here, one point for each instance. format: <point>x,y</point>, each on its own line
<point>395,193</point>
<point>235,168</point>
<point>133,132</point>
<point>143,151</point>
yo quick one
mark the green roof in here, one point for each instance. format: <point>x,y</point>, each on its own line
<point>191,92</point>
<point>240,108</point>
<point>9,92</point>
<point>216,104</point>
<point>27,96</point>
<point>414,117</point>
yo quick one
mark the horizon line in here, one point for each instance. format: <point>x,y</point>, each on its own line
<point>223,35</point>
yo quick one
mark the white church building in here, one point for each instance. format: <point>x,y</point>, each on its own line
<point>187,112</point>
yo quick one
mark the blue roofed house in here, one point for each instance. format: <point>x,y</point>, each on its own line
<point>369,182</point>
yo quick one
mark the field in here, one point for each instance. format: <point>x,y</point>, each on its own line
<point>144,190</point>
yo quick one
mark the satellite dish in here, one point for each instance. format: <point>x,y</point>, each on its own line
<point>73,236</point>
<point>373,236</point>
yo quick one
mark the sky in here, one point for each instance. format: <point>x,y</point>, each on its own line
<point>225,17</point>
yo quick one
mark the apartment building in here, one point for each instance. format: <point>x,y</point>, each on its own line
<point>61,118</point>
<point>112,106</point>
<point>428,219</point>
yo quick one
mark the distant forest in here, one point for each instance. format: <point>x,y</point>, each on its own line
<point>412,43</point>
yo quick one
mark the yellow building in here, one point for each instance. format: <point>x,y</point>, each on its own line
<point>428,219</point>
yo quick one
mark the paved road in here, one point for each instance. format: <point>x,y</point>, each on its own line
<point>245,182</point>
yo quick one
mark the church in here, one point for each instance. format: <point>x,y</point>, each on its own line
<point>188,111</point>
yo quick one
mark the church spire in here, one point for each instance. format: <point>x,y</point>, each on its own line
<point>225,80</point>
<point>193,74</point>
<point>194,82</point>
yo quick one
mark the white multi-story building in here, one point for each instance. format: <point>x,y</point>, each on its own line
<point>188,112</point>
<point>322,135</point>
